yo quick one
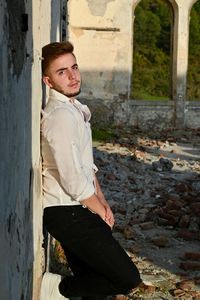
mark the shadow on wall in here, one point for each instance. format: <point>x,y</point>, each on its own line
<point>16,204</point>
<point>55,18</point>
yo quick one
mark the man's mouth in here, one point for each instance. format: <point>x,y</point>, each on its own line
<point>74,84</point>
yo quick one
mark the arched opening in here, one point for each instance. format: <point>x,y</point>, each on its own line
<point>193,76</point>
<point>152,48</point>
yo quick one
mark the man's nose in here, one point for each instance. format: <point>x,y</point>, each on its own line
<point>71,74</point>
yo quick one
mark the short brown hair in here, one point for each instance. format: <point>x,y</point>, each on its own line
<point>53,51</point>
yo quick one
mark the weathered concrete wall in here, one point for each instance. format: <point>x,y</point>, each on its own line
<point>26,27</point>
<point>102,33</point>
<point>192,114</point>
<point>16,208</point>
<point>146,115</point>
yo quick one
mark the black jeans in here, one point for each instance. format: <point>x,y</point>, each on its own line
<point>99,264</point>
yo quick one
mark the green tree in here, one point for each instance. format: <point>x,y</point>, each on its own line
<point>151,60</point>
<point>148,29</point>
<point>152,29</point>
<point>193,76</point>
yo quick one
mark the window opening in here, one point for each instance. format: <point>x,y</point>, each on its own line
<point>152,49</point>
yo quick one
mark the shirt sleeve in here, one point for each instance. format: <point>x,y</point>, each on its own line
<point>64,141</point>
<point>95,168</point>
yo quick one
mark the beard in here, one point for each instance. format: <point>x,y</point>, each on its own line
<point>71,95</point>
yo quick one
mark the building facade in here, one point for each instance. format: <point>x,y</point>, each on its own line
<point>102,33</point>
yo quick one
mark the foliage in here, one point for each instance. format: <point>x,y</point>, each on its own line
<point>152,51</point>
<point>102,134</point>
<point>193,78</point>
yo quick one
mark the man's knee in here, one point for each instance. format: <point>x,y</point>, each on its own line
<point>126,282</point>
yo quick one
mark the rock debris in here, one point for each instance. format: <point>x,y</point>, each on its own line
<point>152,182</point>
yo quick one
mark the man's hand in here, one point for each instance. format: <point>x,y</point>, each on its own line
<point>94,204</point>
<point>98,204</point>
<point>100,207</point>
<point>109,217</point>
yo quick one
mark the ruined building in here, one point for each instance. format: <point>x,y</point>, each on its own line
<point>102,33</point>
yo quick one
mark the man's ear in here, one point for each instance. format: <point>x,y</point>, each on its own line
<point>47,81</point>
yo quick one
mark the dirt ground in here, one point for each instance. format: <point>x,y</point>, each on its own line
<point>152,182</point>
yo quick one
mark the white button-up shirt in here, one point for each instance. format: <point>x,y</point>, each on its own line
<point>68,169</point>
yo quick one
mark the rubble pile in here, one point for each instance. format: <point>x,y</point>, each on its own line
<point>153,185</point>
<point>181,209</point>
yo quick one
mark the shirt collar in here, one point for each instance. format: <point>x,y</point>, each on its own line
<point>53,94</point>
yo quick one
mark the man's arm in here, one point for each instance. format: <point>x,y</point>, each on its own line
<point>62,135</point>
<point>64,144</point>
<point>109,218</point>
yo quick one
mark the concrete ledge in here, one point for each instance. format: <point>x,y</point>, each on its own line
<point>146,115</point>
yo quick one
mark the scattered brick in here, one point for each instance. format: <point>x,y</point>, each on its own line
<point>161,241</point>
<point>184,221</point>
<point>147,225</point>
<point>186,285</point>
<point>192,255</point>
<point>177,292</point>
<point>187,235</point>
<point>192,266</point>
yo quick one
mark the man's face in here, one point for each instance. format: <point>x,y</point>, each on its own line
<point>63,75</point>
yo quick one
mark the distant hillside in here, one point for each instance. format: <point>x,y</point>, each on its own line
<point>152,48</point>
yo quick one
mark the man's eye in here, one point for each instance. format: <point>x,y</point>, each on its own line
<point>75,67</point>
<point>61,73</point>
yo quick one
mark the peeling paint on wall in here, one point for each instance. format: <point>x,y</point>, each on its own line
<point>77,31</point>
<point>98,9</point>
<point>2,19</point>
<point>17,20</point>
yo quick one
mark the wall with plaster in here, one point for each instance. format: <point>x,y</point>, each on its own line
<point>26,27</point>
<point>102,33</point>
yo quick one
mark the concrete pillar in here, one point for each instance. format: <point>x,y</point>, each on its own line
<point>180,58</point>
<point>46,28</point>
<point>41,32</point>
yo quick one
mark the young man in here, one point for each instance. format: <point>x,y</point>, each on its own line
<point>75,210</point>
